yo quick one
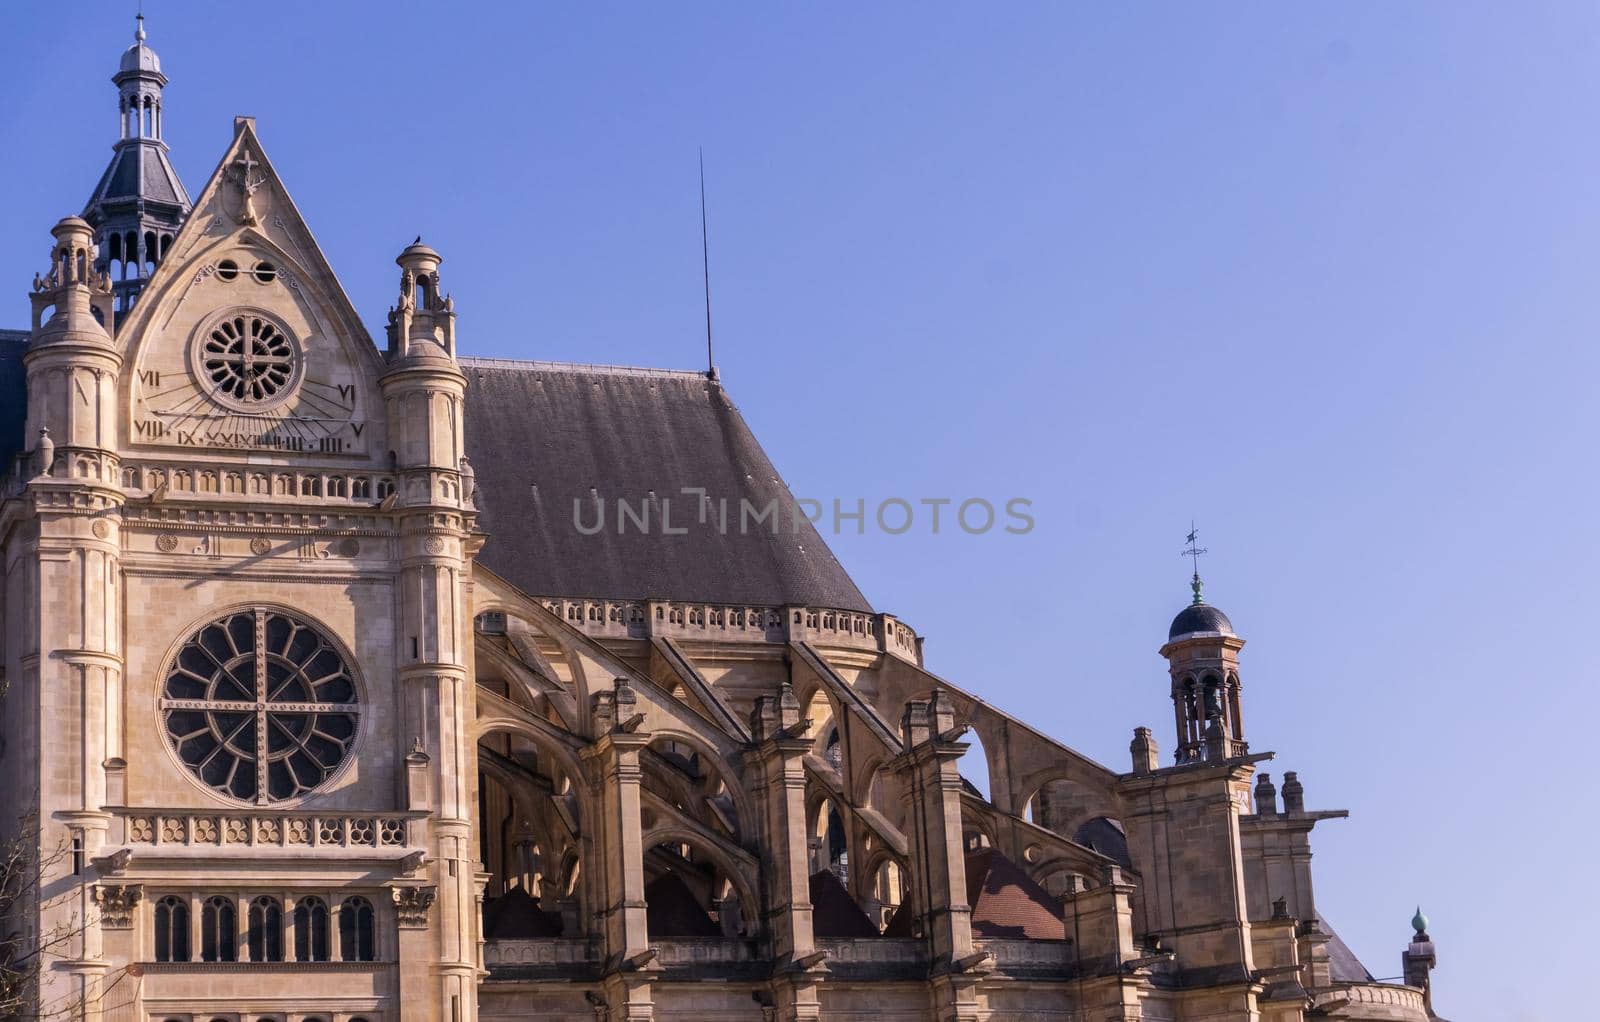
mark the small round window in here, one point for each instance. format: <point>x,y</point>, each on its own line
<point>247,359</point>
<point>265,273</point>
<point>227,270</point>
<point>260,706</point>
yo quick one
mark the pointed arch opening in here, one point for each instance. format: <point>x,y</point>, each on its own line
<point>694,890</point>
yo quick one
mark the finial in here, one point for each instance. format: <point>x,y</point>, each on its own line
<point>1193,550</point>
<point>138,31</point>
<point>1419,922</point>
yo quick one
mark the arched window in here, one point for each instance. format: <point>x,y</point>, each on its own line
<point>219,930</point>
<point>355,931</point>
<point>1213,698</point>
<point>266,930</point>
<point>172,930</point>
<point>311,930</point>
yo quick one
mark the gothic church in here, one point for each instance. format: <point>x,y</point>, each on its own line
<point>318,708</point>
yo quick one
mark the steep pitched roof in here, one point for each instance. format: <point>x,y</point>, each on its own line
<point>516,916</point>
<point>835,914</point>
<point>547,438</point>
<point>1343,965</point>
<point>1007,903</point>
<point>671,910</point>
<point>13,397</point>
<point>139,170</point>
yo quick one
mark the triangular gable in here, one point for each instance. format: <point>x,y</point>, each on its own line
<point>245,245</point>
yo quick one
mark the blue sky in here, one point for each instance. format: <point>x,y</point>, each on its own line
<point>1320,278</point>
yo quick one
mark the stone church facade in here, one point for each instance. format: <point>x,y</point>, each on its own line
<point>321,707</point>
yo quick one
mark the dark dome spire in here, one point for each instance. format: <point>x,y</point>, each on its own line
<point>1199,617</point>
<point>139,204</point>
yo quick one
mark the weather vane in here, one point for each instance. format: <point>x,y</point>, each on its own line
<point>1194,550</point>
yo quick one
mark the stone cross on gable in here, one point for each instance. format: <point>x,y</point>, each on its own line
<point>246,166</point>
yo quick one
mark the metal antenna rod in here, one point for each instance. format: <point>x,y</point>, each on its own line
<point>705,259</point>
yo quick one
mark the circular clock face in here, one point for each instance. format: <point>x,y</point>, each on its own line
<point>247,359</point>
<point>263,376</point>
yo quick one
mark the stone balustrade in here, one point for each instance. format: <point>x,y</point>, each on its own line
<point>880,951</point>
<point>267,829</point>
<point>642,619</point>
<point>555,951</point>
<point>1053,955</point>
<point>1376,1001</point>
<point>703,951</point>
<point>245,482</point>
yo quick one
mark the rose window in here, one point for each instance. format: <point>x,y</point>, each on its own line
<point>260,706</point>
<point>248,358</point>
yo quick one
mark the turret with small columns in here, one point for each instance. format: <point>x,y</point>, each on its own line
<point>139,203</point>
<point>72,363</point>
<point>423,391</point>
<point>424,315</point>
<point>68,526</point>
<point>1203,658</point>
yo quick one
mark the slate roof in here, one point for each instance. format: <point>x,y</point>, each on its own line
<point>1199,617</point>
<point>516,916</point>
<point>542,436</point>
<point>1106,836</point>
<point>139,169</point>
<point>1343,965</point>
<point>13,397</point>
<point>672,910</point>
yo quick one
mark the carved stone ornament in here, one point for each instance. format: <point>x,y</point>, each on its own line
<point>261,546</point>
<point>411,904</point>
<point>434,545</point>
<point>166,542</point>
<point>250,181</point>
<point>101,528</point>
<point>349,546</point>
<point>117,904</point>
<point>413,862</point>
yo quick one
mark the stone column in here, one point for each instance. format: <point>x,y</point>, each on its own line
<point>781,798</point>
<point>423,390</point>
<point>614,763</point>
<point>938,864</point>
<point>1184,831</point>
<point>291,931</point>
<point>414,951</point>
<point>615,758</point>
<point>65,546</point>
